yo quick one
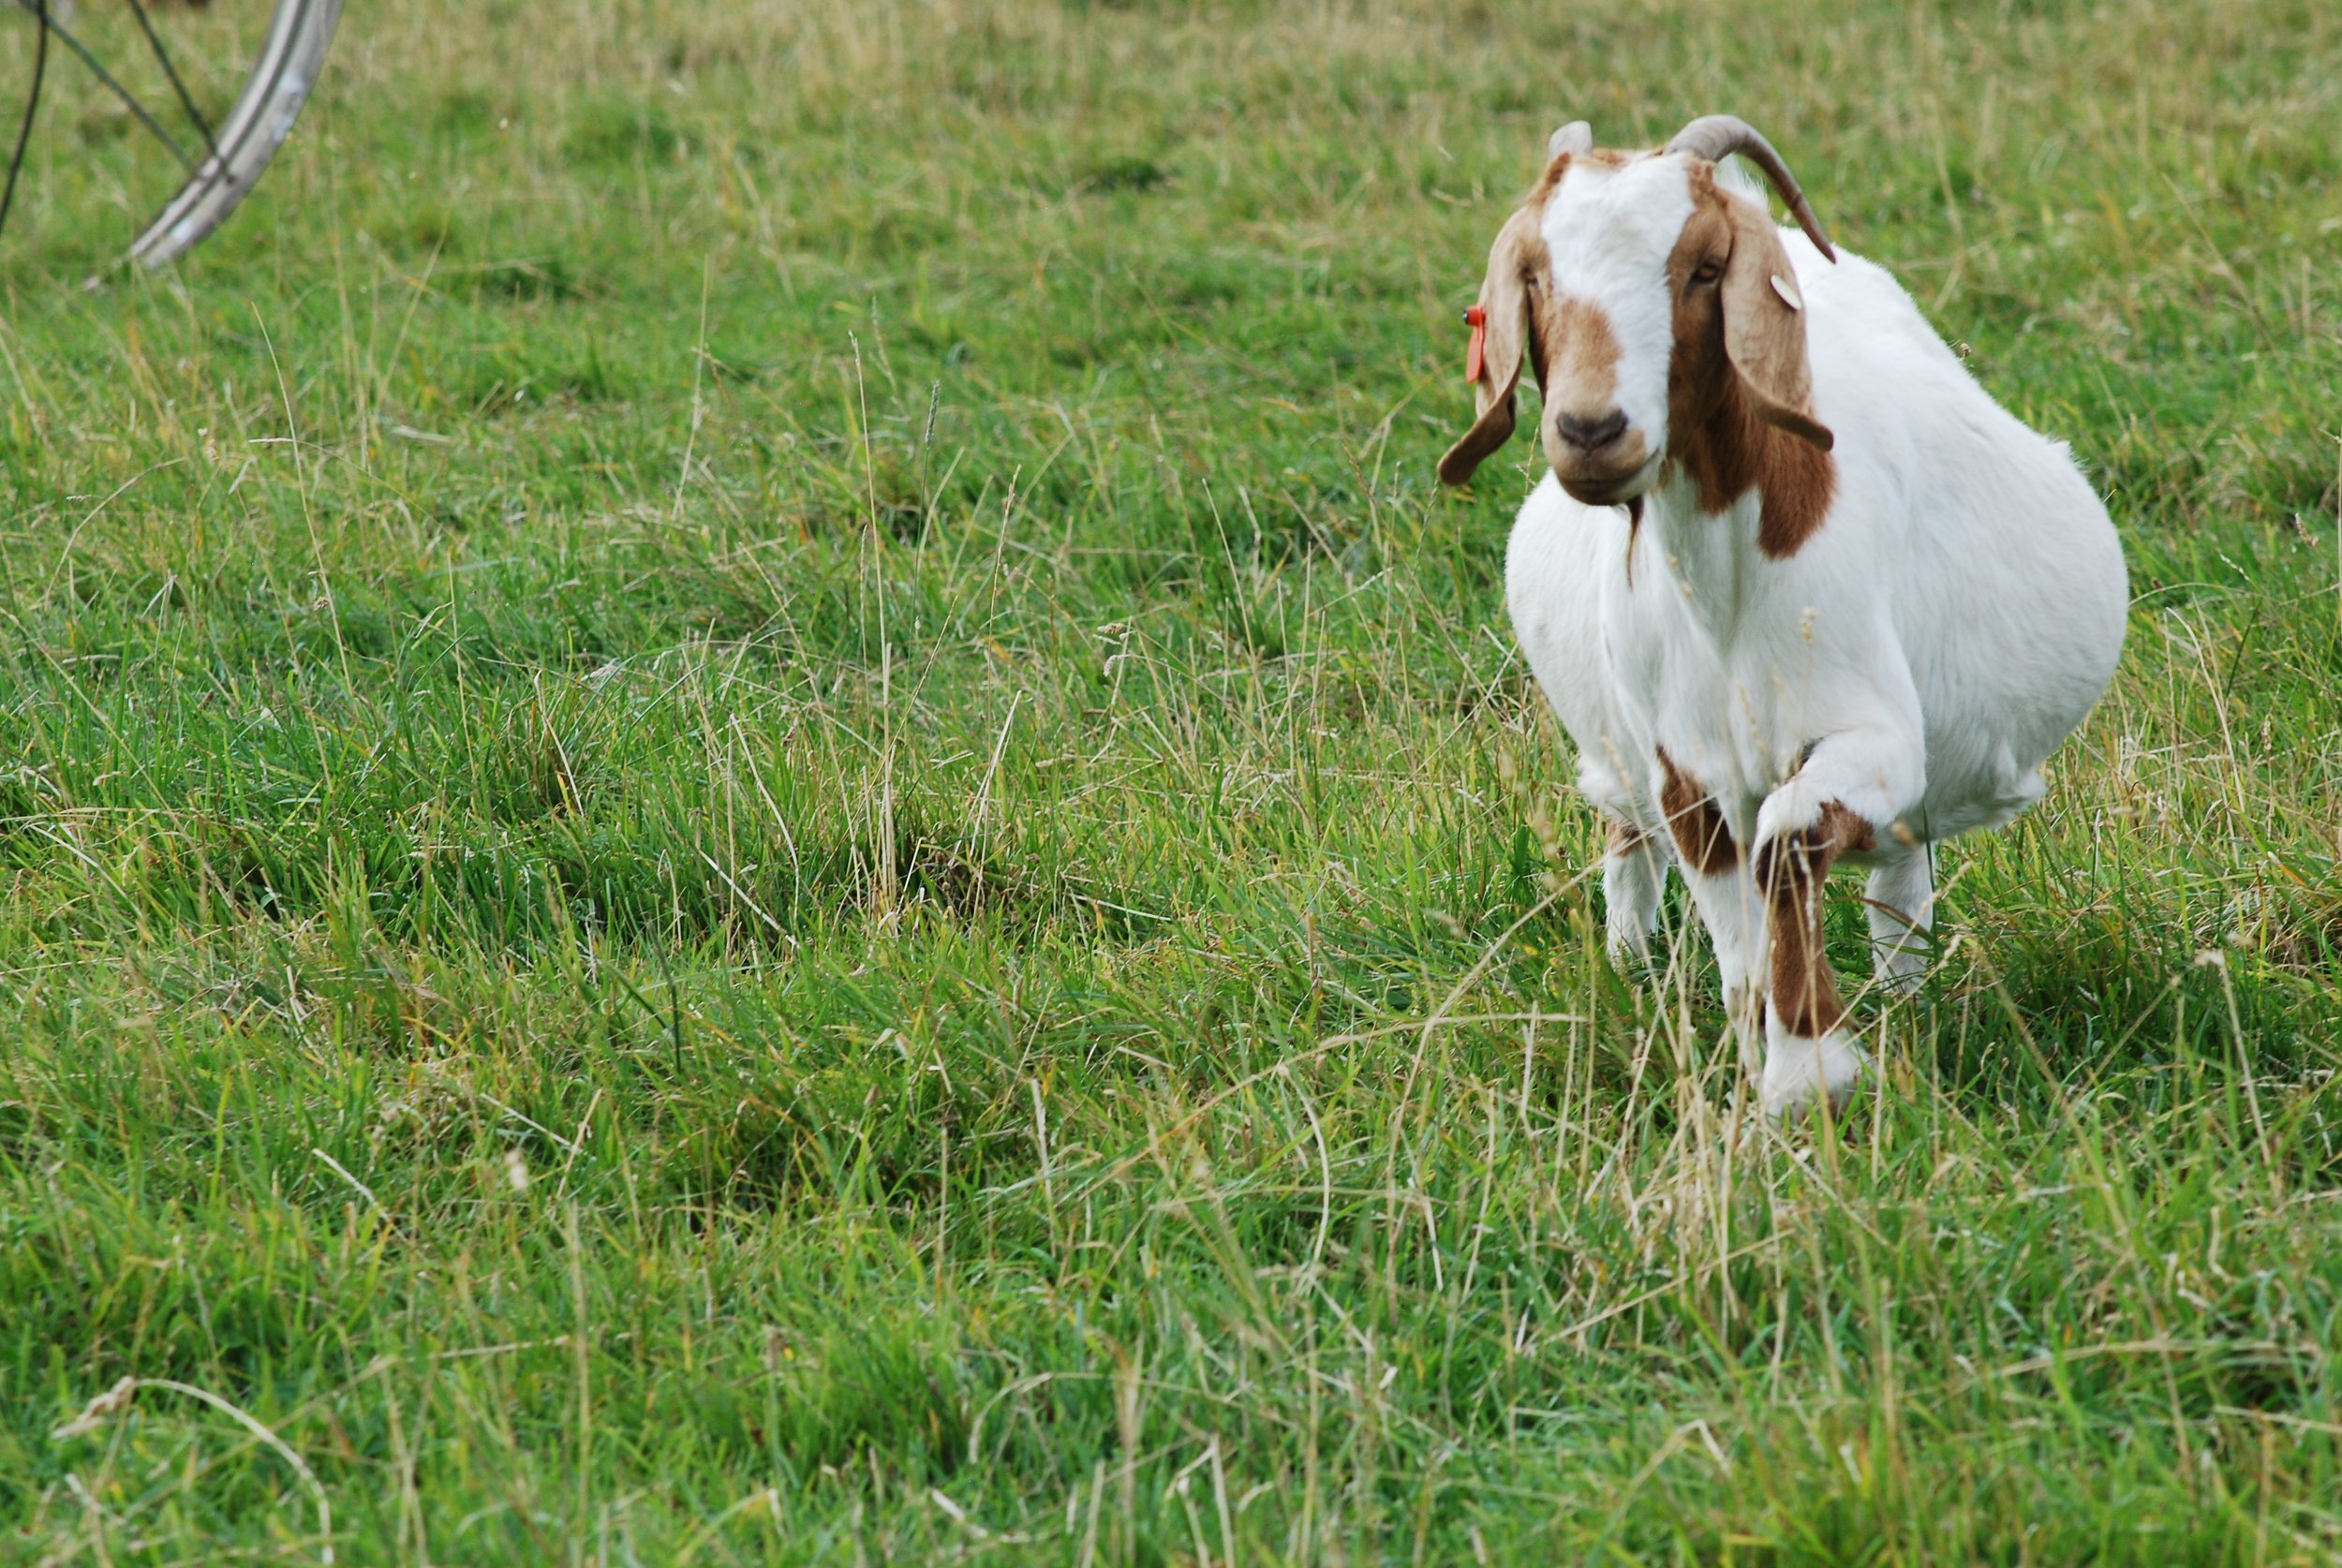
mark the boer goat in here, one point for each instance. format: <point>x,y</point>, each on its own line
<point>1799,591</point>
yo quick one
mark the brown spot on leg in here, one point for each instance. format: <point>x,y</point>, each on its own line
<point>1624,837</point>
<point>1695,823</point>
<point>1803,986</point>
<point>1790,872</point>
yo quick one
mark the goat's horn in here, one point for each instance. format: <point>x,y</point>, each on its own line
<point>1717,137</point>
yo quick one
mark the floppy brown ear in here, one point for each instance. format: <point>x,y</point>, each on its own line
<point>1505,300</point>
<point>1764,325</point>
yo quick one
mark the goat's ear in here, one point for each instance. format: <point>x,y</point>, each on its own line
<point>1506,305</point>
<point>1764,325</point>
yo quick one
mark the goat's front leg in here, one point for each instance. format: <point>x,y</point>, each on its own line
<point>1724,892</point>
<point>1633,874</point>
<point>1734,913</point>
<point>1839,802</point>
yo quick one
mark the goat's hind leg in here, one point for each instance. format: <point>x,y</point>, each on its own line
<point>1902,909</point>
<point>1634,875</point>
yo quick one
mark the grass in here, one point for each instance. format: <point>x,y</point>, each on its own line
<point>754,808</point>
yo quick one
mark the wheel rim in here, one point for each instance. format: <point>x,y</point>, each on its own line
<point>248,137</point>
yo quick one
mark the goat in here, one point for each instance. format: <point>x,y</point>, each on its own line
<point>1799,590</point>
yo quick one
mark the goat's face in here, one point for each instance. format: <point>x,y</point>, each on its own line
<point>1649,302</point>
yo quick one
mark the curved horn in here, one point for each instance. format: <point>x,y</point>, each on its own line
<point>1717,137</point>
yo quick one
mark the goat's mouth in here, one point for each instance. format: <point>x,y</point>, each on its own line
<point>1608,487</point>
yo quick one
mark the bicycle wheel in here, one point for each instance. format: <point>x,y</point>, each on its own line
<point>184,56</point>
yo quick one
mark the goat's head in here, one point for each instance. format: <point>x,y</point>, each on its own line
<point>1650,300</point>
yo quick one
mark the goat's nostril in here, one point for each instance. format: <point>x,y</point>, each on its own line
<point>1588,434</point>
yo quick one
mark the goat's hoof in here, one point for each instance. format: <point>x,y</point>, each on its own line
<point>1900,974</point>
<point>1630,956</point>
<point>1800,1073</point>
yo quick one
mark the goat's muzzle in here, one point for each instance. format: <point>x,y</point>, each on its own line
<point>1590,436</point>
<point>1599,460</point>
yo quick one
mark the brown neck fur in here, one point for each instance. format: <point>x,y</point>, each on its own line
<point>1731,451</point>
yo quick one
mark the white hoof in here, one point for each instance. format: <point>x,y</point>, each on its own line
<point>1801,1072</point>
<point>1629,946</point>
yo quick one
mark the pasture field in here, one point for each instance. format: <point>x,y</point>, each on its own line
<point>754,808</point>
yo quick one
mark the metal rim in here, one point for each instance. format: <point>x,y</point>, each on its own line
<point>235,155</point>
<point>263,116</point>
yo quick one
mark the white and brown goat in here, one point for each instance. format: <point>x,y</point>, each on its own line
<point>1799,590</point>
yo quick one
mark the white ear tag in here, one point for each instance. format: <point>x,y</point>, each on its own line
<point>1787,291</point>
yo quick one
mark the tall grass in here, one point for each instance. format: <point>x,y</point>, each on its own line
<point>753,807</point>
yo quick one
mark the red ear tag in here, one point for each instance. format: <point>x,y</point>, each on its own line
<point>1477,355</point>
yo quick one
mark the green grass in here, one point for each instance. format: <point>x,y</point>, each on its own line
<point>753,807</point>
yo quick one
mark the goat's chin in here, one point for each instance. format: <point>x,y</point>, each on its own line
<point>1610,489</point>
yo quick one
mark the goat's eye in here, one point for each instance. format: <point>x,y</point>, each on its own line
<point>1705,273</point>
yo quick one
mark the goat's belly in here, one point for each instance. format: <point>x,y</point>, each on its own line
<point>2013,650</point>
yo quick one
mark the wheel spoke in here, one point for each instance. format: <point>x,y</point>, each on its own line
<point>32,105</point>
<point>162,58</point>
<point>235,153</point>
<point>130,100</point>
